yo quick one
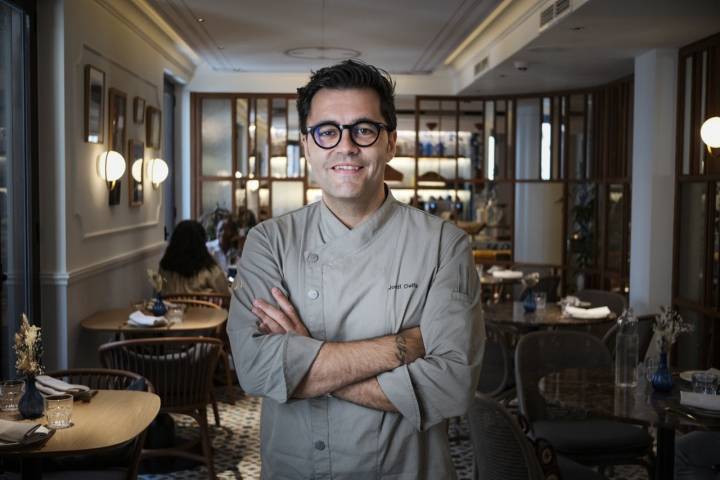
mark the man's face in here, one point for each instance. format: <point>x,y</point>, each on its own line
<point>346,171</point>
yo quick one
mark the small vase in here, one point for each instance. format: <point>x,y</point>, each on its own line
<point>31,403</point>
<point>159,309</point>
<point>662,379</point>
<point>529,303</point>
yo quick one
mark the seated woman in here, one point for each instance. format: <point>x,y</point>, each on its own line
<point>187,266</point>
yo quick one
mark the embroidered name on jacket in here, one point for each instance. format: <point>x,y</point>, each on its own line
<point>402,286</point>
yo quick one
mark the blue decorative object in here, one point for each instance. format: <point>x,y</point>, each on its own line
<point>159,309</point>
<point>662,379</point>
<point>529,302</point>
<point>31,403</point>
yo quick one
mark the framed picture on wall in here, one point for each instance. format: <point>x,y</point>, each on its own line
<point>117,126</point>
<point>136,161</point>
<point>94,104</point>
<point>152,132</point>
<point>139,109</point>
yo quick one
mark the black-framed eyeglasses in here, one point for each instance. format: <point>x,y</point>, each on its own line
<point>364,133</point>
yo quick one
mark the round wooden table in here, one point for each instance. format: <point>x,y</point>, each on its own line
<point>513,313</point>
<point>116,320</point>
<point>110,419</point>
<point>595,391</point>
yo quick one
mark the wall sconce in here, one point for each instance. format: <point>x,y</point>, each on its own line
<point>710,134</point>
<point>110,167</point>
<point>136,170</point>
<point>157,171</point>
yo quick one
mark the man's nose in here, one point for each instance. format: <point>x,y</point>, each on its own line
<point>346,144</point>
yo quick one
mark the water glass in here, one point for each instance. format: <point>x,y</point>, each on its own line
<point>175,313</point>
<point>10,393</point>
<point>540,300</point>
<point>58,410</point>
<point>651,365</point>
<point>704,382</point>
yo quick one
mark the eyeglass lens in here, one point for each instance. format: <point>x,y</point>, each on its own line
<point>363,134</point>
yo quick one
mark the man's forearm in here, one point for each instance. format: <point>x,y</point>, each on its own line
<point>339,364</point>
<point>366,393</point>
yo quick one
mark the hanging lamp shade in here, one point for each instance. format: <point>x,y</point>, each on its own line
<point>431,179</point>
<point>392,175</point>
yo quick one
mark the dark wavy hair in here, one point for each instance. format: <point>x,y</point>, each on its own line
<point>186,254</point>
<point>345,75</point>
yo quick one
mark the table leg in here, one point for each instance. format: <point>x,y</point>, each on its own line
<point>665,458</point>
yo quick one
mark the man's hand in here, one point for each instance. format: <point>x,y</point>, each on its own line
<point>409,345</point>
<point>278,320</point>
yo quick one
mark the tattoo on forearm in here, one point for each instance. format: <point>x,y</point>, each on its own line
<point>401,346</point>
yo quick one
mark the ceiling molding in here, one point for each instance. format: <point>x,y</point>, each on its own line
<point>156,33</point>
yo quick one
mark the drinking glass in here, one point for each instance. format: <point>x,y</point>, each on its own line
<point>58,410</point>
<point>540,300</point>
<point>651,365</point>
<point>175,313</point>
<point>10,393</point>
<point>704,382</point>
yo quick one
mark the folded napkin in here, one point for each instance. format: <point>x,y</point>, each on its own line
<point>507,274</point>
<point>588,313</point>
<point>19,432</point>
<point>700,400</point>
<point>139,319</point>
<point>55,386</point>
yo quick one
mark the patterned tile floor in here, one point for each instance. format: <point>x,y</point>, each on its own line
<point>237,445</point>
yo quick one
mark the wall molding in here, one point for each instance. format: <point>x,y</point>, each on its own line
<point>112,263</point>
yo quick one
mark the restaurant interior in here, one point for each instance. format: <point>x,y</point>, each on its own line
<point>575,142</point>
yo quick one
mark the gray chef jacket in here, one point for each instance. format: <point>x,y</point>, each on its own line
<point>400,268</point>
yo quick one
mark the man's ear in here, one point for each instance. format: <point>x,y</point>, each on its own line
<point>392,144</point>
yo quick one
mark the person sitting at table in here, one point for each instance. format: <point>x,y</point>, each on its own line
<point>187,266</point>
<point>224,249</point>
<point>697,456</point>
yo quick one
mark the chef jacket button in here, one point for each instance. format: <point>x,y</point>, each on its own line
<point>313,294</point>
<point>320,445</point>
<point>312,258</point>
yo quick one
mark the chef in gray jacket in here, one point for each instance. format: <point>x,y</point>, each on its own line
<point>357,318</point>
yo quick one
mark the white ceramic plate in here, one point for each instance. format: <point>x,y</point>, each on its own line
<point>687,374</point>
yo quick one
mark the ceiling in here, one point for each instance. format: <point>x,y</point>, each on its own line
<point>594,44</point>
<point>401,36</point>
<point>598,42</point>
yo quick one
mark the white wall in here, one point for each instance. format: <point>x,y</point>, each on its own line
<point>94,256</point>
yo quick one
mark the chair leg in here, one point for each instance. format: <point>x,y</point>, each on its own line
<point>206,445</point>
<point>228,378</point>
<point>216,412</point>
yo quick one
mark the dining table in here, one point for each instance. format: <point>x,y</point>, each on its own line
<point>514,314</point>
<point>594,391</point>
<point>195,320</point>
<point>110,419</point>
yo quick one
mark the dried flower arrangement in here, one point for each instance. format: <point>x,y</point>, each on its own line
<point>668,325</point>
<point>156,280</point>
<point>28,349</point>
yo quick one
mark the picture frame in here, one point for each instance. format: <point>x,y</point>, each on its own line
<point>153,127</point>
<point>117,127</point>
<point>136,172</point>
<point>94,104</point>
<point>139,110</point>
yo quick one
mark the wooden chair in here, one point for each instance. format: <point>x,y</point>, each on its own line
<point>502,451</point>
<point>212,300</point>
<point>180,369</point>
<point>590,441</point>
<point>121,462</point>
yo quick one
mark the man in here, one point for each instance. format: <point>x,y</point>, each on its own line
<point>357,317</point>
<point>224,249</point>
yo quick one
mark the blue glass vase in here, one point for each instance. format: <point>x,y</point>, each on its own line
<point>662,378</point>
<point>529,304</point>
<point>31,403</point>
<point>159,309</point>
